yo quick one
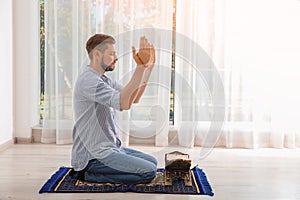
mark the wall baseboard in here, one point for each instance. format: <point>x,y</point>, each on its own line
<point>6,145</point>
<point>22,140</point>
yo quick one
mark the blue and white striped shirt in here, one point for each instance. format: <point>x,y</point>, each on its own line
<point>95,134</point>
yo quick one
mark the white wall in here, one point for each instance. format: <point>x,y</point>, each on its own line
<point>6,71</point>
<point>26,66</point>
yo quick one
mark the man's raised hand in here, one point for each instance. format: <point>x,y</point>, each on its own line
<point>146,55</point>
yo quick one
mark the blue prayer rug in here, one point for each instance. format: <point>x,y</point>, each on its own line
<point>63,182</point>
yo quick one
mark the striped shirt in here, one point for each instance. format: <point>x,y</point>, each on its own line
<point>95,134</point>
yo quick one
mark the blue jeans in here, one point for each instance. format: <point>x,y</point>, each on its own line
<point>128,166</point>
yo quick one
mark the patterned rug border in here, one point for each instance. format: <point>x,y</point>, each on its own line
<point>52,185</point>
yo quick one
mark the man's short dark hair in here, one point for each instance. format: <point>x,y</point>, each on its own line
<point>99,41</point>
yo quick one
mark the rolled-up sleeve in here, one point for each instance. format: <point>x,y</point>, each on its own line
<point>115,102</point>
<point>103,93</point>
<point>118,86</point>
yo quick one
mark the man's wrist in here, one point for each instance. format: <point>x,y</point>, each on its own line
<point>144,67</point>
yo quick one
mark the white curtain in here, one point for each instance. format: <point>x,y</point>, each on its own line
<point>236,69</point>
<point>252,48</point>
<point>68,25</point>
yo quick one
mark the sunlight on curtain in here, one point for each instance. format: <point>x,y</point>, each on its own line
<point>255,47</point>
<point>68,26</point>
<point>58,73</point>
<point>236,69</point>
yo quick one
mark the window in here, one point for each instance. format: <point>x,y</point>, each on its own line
<point>149,6</point>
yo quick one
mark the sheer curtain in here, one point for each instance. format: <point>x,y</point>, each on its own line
<point>254,47</point>
<point>68,25</point>
<point>236,69</point>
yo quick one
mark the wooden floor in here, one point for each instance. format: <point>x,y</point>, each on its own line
<point>233,173</point>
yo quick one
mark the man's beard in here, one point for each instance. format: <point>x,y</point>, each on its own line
<point>106,67</point>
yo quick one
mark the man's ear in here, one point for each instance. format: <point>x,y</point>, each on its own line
<point>96,54</point>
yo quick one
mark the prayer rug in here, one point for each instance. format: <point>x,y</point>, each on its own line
<point>62,182</point>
